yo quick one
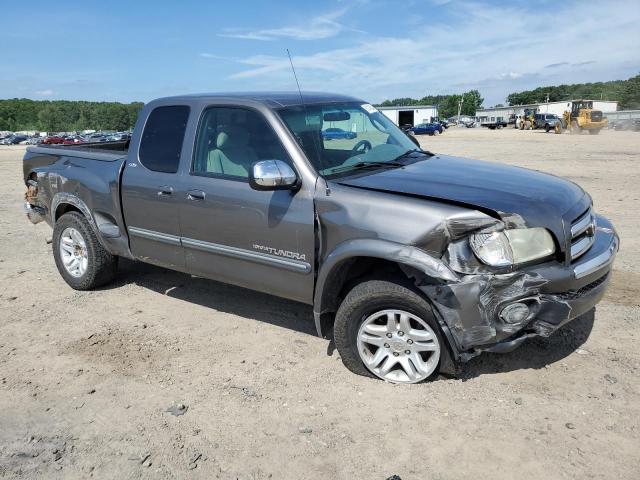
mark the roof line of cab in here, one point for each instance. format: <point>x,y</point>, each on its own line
<point>270,99</point>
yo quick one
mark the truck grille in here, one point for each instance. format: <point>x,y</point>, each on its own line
<point>583,230</point>
<point>596,116</point>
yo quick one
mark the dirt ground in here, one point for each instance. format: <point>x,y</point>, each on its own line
<point>86,378</point>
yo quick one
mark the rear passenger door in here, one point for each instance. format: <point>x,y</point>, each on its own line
<point>149,198</point>
<point>262,240</point>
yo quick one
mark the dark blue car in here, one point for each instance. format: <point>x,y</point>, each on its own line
<point>337,133</point>
<point>426,128</point>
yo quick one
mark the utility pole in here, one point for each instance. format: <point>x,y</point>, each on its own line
<point>547,103</point>
<point>460,106</point>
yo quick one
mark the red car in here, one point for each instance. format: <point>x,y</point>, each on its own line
<point>53,140</point>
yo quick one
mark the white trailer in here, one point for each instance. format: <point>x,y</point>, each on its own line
<point>410,115</point>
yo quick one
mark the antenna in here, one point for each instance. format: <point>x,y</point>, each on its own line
<point>316,141</point>
<point>296,77</point>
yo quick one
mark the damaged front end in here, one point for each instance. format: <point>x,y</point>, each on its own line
<point>496,309</point>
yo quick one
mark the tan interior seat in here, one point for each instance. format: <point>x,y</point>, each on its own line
<point>232,155</point>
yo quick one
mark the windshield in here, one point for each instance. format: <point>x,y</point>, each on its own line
<point>337,136</point>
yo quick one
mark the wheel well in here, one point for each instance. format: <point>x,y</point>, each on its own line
<point>64,208</point>
<point>348,273</point>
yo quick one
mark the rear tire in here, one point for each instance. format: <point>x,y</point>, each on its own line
<point>595,131</point>
<point>372,300</point>
<point>97,265</point>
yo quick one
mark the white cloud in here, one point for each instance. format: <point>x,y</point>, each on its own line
<point>487,48</point>
<point>44,93</point>
<point>322,26</point>
<point>512,75</point>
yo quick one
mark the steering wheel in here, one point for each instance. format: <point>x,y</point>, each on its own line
<point>362,146</point>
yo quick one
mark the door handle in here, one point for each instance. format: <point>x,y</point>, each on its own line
<point>196,195</point>
<point>165,190</point>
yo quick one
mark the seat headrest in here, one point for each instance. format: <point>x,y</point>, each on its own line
<point>232,137</point>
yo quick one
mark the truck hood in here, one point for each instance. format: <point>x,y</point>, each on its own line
<point>517,195</point>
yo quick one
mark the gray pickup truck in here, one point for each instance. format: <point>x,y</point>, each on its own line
<point>415,261</point>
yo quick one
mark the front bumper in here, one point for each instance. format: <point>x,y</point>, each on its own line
<point>555,294</point>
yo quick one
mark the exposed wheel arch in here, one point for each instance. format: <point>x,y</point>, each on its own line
<point>357,259</point>
<point>63,208</point>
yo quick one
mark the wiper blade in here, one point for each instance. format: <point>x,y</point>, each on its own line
<point>413,150</point>
<point>364,165</point>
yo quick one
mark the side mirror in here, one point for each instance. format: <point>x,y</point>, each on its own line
<point>272,175</point>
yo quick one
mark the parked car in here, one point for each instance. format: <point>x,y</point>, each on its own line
<point>443,122</point>
<point>95,138</point>
<point>35,140</point>
<point>427,129</point>
<point>419,261</point>
<point>548,121</point>
<point>73,140</point>
<point>53,140</point>
<point>13,139</point>
<point>338,133</point>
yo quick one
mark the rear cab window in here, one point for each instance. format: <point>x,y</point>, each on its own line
<point>162,138</point>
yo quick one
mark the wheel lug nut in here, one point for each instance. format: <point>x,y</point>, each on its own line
<point>395,354</point>
<point>389,335</point>
<point>408,352</point>
<point>386,345</point>
<point>401,333</point>
<point>409,341</point>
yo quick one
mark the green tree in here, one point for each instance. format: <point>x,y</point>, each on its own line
<point>63,115</point>
<point>626,92</point>
<point>630,98</point>
<point>51,119</point>
<point>472,101</point>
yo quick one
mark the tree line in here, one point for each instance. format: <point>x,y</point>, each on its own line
<point>447,104</point>
<point>65,116</point>
<point>626,92</point>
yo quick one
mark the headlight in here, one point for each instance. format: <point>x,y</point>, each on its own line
<point>501,249</point>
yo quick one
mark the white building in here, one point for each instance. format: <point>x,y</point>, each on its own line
<point>504,113</point>
<point>410,115</point>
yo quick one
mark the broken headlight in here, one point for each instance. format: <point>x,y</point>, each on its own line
<point>510,247</point>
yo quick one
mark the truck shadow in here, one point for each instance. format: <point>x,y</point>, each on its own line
<point>535,353</point>
<point>217,296</point>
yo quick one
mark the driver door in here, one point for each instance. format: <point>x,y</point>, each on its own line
<point>261,240</point>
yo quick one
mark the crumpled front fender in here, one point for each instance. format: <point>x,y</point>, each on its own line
<point>405,255</point>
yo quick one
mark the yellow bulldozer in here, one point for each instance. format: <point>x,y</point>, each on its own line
<point>584,118</point>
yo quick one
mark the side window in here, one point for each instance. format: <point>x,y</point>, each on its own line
<point>162,138</point>
<point>231,139</point>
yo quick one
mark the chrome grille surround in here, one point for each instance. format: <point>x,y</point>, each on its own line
<point>583,231</point>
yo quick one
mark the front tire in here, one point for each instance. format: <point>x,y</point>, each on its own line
<point>387,330</point>
<point>81,259</point>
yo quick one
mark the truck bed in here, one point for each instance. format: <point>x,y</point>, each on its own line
<point>103,151</point>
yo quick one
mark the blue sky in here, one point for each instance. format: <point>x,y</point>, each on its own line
<point>139,50</point>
